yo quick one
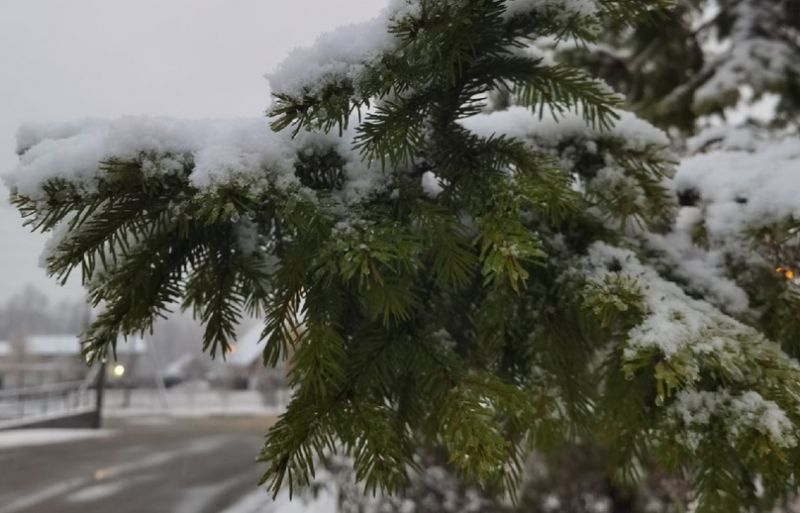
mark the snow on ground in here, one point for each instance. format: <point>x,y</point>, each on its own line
<point>192,403</point>
<point>26,437</point>
<point>197,498</point>
<point>260,502</point>
<point>99,491</point>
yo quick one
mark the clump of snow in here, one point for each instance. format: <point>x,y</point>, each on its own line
<point>765,416</point>
<point>568,138</point>
<point>702,270</point>
<point>31,134</point>
<point>340,55</point>
<point>344,54</point>
<point>697,408</point>
<point>549,130</point>
<point>675,324</point>
<point>238,150</point>
<point>737,138</point>
<point>750,183</point>
<point>565,7</point>
<point>361,178</point>
<point>431,185</point>
<point>740,414</point>
<point>219,150</point>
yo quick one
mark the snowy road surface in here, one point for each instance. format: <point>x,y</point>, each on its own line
<point>139,465</point>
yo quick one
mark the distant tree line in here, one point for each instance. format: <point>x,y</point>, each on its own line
<point>30,311</point>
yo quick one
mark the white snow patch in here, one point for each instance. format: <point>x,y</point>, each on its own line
<point>220,150</point>
<point>431,185</point>
<point>741,413</point>
<point>703,270</point>
<point>260,502</point>
<point>190,401</point>
<point>13,439</point>
<point>566,7</point>
<point>217,152</point>
<point>339,55</point>
<point>748,183</point>
<point>96,492</point>
<point>549,130</point>
<point>674,322</point>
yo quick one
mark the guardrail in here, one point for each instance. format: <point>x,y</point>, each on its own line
<point>23,405</point>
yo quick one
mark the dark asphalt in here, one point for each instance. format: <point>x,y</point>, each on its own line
<point>145,465</point>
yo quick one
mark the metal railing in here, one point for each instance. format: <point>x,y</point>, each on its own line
<point>49,400</point>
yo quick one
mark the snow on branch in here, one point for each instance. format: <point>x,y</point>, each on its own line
<point>747,182</point>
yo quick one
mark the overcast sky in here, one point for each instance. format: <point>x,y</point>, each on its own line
<point>67,59</point>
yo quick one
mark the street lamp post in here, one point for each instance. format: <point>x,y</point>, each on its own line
<point>101,387</point>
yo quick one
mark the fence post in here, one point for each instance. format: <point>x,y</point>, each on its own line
<point>101,385</point>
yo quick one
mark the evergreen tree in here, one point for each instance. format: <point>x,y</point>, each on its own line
<point>455,240</point>
<point>702,57</point>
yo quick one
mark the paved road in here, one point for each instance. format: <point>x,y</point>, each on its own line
<point>144,465</point>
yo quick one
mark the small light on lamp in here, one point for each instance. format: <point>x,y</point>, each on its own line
<point>118,370</point>
<point>787,272</point>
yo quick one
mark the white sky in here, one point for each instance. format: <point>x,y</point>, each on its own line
<point>66,59</point>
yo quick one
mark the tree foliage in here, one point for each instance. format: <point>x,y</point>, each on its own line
<point>512,310</point>
<point>702,58</point>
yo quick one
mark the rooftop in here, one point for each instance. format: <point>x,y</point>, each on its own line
<point>67,345</point>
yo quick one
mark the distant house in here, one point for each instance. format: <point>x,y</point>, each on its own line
<point>244,360</point>
<point>246,369</point>
<point>43,359</point>
<point>188,367</point>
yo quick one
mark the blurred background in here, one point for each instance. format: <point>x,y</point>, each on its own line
<point>164,428</point>
<point>177,431</point>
